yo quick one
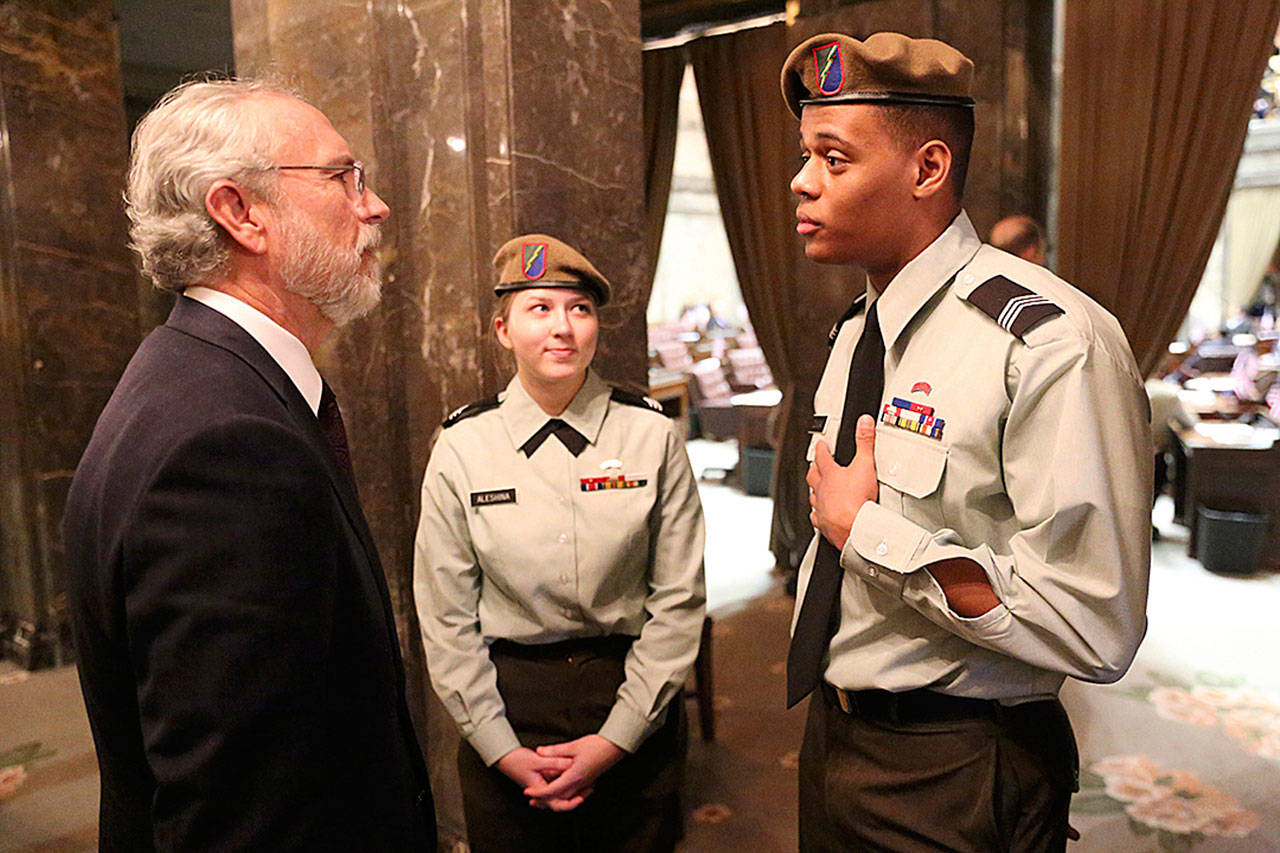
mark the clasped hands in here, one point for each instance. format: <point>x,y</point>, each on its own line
<point>560,776</point>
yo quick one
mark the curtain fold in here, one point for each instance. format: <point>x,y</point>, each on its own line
<point>1252,230</point>
<point>751,139</point>
<point>663,71</point>
<point>1155,106</point>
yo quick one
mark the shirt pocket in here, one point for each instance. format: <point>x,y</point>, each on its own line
<point>617,517</point>
<point>910,468</point>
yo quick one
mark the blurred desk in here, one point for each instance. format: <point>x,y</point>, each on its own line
<point>1228,466</point>
<point>671,389</point>
<point>1218,383</point>
<point>1212,405</point>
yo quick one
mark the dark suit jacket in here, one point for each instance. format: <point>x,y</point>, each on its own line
<point>237,650</point>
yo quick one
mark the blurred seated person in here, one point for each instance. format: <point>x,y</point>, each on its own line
<point>701,317</point>
<point>1168,412</point>
<point>1211,355</point>
<point>1239,323</point>
<point>1253,378</point>
<point>1020,235</point>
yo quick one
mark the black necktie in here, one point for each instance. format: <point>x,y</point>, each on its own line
<point>335,432</point>
<point>820,612</point>
<point>575,441</point>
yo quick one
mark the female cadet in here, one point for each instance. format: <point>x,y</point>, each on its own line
<point>559,583</point>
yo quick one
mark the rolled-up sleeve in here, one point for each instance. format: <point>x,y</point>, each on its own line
<point>1072,579</point>
<point>446,589</point>
<point>660,659</point>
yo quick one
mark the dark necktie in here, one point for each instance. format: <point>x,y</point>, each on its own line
<point>820,612</point>
<point>575,441</point>
<point>335,432</point>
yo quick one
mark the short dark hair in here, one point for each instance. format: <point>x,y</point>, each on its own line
<point>911,126</point>
<point>1020,233</point>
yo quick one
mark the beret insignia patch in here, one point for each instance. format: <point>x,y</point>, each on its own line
<point>828,68</point>
<point>534,260</point>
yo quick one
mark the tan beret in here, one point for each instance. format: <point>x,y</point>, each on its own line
<point>887,68</point>
<point>538,260</point>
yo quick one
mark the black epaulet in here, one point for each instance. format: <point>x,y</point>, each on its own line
<point>855,308</point>
<point>628,399</point>
<point>1015,309</point>
<point>470,410</point>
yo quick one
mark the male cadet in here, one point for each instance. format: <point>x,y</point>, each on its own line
<point>236,645</point>
<point>1019,235</point>
<point>990,536</point>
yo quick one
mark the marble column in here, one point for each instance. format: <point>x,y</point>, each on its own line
<point>68,291</point>
<point>480,120</point>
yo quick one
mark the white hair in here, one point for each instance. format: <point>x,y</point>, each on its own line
<point>196,134</point>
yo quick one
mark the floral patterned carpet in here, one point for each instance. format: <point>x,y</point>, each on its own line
<point>1181,754</point>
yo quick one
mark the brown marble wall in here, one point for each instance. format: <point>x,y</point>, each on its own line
<point>479,119</point>
<point>68,292</point>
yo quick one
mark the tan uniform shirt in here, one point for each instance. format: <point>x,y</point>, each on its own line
<point>1040,473</point>
<point>535,550</point>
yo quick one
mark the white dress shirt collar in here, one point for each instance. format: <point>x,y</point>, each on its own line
<point>283,347</point>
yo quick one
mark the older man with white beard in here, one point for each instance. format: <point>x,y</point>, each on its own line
<point>237,650</point>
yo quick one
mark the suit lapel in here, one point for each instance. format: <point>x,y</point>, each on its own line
<point>201,321</point>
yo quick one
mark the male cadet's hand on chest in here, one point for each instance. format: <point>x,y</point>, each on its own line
<point>837,492</point>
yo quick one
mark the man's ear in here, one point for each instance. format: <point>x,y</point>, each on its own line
<point>238,214</point>
<point>933,168</point>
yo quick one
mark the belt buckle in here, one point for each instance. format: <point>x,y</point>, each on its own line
<point>842,698</point>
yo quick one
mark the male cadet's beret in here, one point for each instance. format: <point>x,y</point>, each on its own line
<point>887,68</point>
<point>537,260</point>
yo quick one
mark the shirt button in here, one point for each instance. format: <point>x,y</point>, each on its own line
<point>872,571</point>
<point>968,277</point>
<point>564,579</point>
<point>563,538</point>
<point>882,549</point>
<point>561,500</point>
<point>893,469</point>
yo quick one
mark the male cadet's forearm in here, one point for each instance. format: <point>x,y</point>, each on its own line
<point>964,583</point>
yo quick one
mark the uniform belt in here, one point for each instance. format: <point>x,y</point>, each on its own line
<point>611,645</point>
<point>910,706</point>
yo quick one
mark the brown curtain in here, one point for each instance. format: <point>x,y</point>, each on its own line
<point>663,72</point>
<point>1155,106</point>
<point>752,141</point>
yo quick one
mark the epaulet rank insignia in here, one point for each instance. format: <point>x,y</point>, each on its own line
<point>629,399</point>
<point>1015,309</point>
<point>470,410</point>
<point>853,310</point>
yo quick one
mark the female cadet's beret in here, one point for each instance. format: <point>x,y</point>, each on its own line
<point>538,260</point>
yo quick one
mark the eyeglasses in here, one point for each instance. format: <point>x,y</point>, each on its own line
<point>352,175</point>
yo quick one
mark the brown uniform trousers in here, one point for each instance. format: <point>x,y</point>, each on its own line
<point>555,693</point>
<point>924,772</point>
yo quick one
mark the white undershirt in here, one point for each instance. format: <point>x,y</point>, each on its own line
<point>283,347</point>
